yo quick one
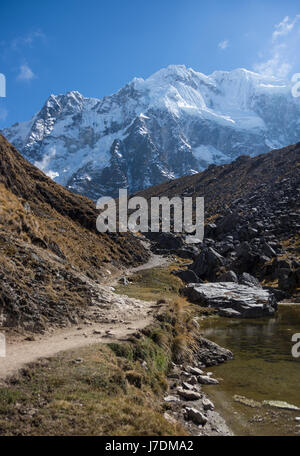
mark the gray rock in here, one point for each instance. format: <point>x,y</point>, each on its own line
<point>230,313</point>
<point>207,380</point>
<point>171,399</point>
<point>187,276</point>
<point>196,416</point>
<point>207,263</point>
<point>207,404</point>
<point>77,361</point>
<point>249,280</point>
<point>188,386</point>
<point>195,370</point>
<point>124,281</point>
<point>229,276</point>
<point>193,380</point>
<point>228,223</point>
<point>251,302</point>
<point>210,354</point>
<point>268,250</point>
<point>189,395</point>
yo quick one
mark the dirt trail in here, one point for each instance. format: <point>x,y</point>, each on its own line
<point>21,352</point>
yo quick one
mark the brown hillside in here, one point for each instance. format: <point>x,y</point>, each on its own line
<point>222,185</point>
<point>49,247</point>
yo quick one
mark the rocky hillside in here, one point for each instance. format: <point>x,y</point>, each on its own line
<point>52,259</point>
<point>252,232</point>
<point>174,123</point>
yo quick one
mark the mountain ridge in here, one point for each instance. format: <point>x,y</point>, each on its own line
<point>174,123</point>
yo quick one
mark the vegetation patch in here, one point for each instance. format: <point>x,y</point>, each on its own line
<point>113,389</point>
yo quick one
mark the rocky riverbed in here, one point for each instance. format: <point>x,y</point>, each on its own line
<point>186,402</point>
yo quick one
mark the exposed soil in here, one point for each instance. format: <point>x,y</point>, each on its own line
<point>135,315</point>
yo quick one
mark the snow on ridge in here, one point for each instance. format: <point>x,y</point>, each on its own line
<point>178,120</point>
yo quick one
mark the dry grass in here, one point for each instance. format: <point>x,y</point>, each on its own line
<point>113,390</point>
<point>153,284</point>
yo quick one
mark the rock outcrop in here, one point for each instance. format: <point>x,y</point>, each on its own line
<point>252,210</point>
<point>232,299</point>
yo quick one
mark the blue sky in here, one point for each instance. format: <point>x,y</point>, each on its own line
<point>97,46</point>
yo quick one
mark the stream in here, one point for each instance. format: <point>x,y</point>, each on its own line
<point>263,369</point>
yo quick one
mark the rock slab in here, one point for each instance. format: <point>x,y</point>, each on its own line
<point>232,299</point>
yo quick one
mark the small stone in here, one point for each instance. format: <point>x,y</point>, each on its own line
<point>171,399</point>
<point>185,374</point>
<point>77,361</point>
<point>196,416</point>
<point>195,370</point>
<point>207,404</point>
<point>193,380</point>
<point>189,395</point>
<point>187,386</point>
<point>281,405</point>
<point>206,380</point>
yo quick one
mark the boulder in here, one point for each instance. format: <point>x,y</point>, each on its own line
<point>249,280</point>
<point>209,230</point>
<point>196,416</point>
<point>187,252</point>
<point>171,399</point>
<point>287,279</point>
<point>207,380</point>
<point>268,250</point>
<point>228,223</point>
<point>229,276</point>
<point>168,241</point>
<point>207,263</point>
<point>195,370</point>
<point>188,386</point>
<point>207,404</point>
<point>189,395</point>
<point>250,302</point>
<point>210,354</point>
<point>187,276</point>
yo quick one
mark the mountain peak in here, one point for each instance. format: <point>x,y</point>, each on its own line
<point>175,122</point>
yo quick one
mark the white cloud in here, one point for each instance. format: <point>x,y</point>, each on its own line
<point>282,55</point>
<point>25,73</point>
<point>223,45</point>
<point>285,27</point>
<point>27,40</point>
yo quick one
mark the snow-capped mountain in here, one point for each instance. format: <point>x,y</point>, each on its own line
<point>176,122</point>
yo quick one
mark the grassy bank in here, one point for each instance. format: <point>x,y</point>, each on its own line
<point>113,389</point>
